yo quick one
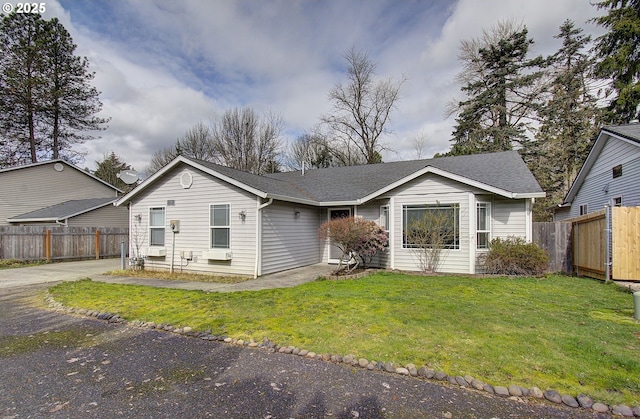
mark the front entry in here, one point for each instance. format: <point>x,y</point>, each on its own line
<point>334,251</point>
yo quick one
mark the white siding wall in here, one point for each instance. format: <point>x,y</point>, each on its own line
<point>434,189</point>
<point>31,188</point>
<point>289,241</point>
<point>592,192</point>
<point>192,209</point>
<point>509,218</point>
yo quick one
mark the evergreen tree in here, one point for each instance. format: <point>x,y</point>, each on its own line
<point>502,89</point>
<point>569,119</point>
<point>46,102</point>
<point>618,52</point>
<point>109,168</point>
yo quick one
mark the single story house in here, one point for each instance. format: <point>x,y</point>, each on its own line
<point>56,192</point>
<point>609,176</point>
<point>199,216</point>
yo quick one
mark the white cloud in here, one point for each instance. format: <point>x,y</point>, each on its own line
<point>164,65</point>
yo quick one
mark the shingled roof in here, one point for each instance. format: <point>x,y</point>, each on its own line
<point>504,173</point>
<point>63,211</point>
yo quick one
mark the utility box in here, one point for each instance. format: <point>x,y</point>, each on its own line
<point>186,254</point>
<point>175,226</point>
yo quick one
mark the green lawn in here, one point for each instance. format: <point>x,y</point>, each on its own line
<point>573,335</point>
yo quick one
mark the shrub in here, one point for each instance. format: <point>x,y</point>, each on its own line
<point>514,256</point>
<point>358,239</point>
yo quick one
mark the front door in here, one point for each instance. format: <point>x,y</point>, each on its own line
<point>334,251</point>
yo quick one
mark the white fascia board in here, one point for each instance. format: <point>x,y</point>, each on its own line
<point>339,203</point>
<point>181,159</point>
<point>285,198</point>
<point>33,220</point>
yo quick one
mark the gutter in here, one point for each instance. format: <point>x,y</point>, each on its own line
<point>260,207</point>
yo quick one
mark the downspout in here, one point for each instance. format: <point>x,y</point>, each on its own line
<point>260,207</point>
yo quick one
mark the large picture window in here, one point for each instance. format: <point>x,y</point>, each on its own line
<point>440,222</point>
<point>483,223</point>
<point>219,222</point>
<point>156,226</point>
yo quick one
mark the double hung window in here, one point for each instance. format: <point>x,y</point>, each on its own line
<point>156,226</point>
<point>483,223</point>
<point>220,226</point>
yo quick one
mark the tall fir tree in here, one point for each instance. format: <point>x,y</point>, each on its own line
<point>502,91</point>
<point>569,119</point>
<point>618,53</point>
<point>47,104</point>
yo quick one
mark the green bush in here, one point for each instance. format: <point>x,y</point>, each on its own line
<point>514,256</point>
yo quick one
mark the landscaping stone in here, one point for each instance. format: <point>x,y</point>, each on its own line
<point>363,362</point>
<point>585,401</point>
<point>296,351</point>
<point>600,408</point>
<point>468,379</point>
<point>477,384</point>
<point>515,390</point>
<point>553,396</point>
<point>389,367</point>
<point>402,371</point>
<point>440,376</point>
<point>348,359</point>
<point>326,357</point>
<point>461,381</point>
<point>426,372</point>
<point>501,391</point>
<point>536,393</point>
<point>413,371</point>
<point>303,352</point>
<point>622,410</point>
<point>311,355</point>
<point>451,379</point>
<point>489,389</point>
<point>336,358</point>
<point>570,401</point>
<point>525,391</point>
<point>371,366</point>
<point>636,411</point>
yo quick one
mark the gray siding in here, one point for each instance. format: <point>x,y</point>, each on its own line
<point>509,218</point>
<point>599,186</point>
<point>31,188</point>
<point>191,207</point>
<point>108,216</point>
<point>289,241</point>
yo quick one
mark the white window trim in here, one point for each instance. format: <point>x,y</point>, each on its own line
<point>384,222</point>
<point>488,230</point>
<point>613,201</point>
<point>452,204</point>
<point>211,227</point>
<point>164,227</point>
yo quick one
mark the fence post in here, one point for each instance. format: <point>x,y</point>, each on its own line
<point>97,244</point>
<point>47,245</point>
<point>122,256</point>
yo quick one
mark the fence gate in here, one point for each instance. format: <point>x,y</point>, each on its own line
<point>625,243</point>
<point>589,244</point>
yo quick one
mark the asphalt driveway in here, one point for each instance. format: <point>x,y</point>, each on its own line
<point>60,366</point>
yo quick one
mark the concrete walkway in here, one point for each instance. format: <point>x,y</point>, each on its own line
<point>96,269</point>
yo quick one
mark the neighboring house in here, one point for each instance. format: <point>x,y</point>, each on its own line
<point>56,192</point>
<point>233,222</point>
<point>610,174</point>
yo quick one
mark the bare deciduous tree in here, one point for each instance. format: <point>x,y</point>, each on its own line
<point>361,110</point>
<point>244,140</point>
<point>196,143</point>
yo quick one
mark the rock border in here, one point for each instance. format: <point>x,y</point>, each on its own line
<point>512,391</point>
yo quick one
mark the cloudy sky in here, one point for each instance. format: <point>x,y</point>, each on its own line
<point>163,66</point>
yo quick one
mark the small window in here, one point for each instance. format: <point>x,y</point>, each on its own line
<point>156,226</point>
<point>483,223</point>
<point>219,216</point>
<point>584,209</point>
<point>617,201</point>
<point>384,218</point>
<point>617,171</point>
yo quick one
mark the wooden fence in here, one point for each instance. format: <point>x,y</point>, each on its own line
<point>61,243</point>
<point>625,243</point>
<point>590,244</point>
<point>555,238</point>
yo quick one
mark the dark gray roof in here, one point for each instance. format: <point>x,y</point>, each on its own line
<point>504,171</point>
<point>628,131</point>
<point>65,209</point>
